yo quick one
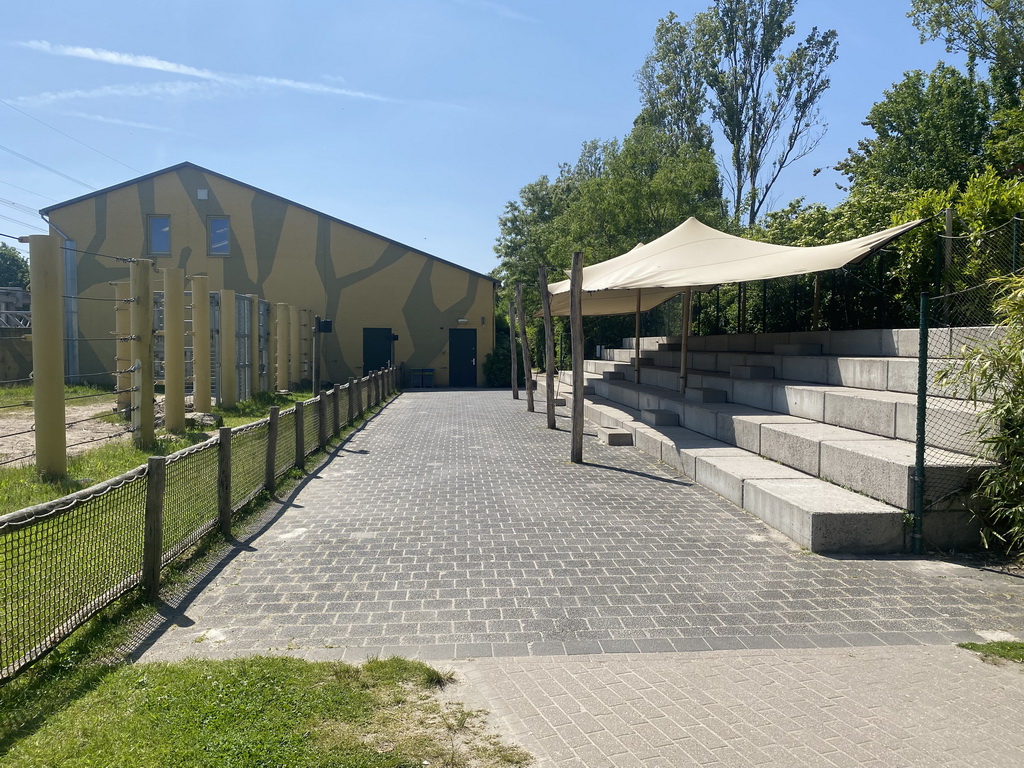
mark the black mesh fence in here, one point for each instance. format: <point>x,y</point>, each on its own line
<point>63,561</point>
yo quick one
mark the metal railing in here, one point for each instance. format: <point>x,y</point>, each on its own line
<point>62,561</point>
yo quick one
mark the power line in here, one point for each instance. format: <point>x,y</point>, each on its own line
<point>68,136</point>
<point>22,189</point>
<point>16,221</point>
<point>46,167</point>
<point>19,207</point>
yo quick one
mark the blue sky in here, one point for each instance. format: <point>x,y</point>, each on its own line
<point>417,119</point>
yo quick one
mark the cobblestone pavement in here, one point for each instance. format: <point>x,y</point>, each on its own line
<point>453,527</point>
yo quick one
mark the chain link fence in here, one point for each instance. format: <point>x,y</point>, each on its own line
<point>63,561</point>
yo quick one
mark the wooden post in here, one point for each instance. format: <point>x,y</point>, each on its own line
<point>201,388</point>
<point>684,336</point>
<point>47,272</point>
<point>153,528</point>
<point>527,359</point>
<point>576,328</point>
<point>512,350</point>
<point>270,472</point>
<point>549,345</point>
<point>224,480</point>
<point>174,349</point>
<point>300,437</point>
<point>141,276</point>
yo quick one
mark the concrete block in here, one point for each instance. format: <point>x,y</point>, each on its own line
<point>648,400</point>
<point>742,342</point>
<point>705,395</point>
<point>798,445</point>
<point>890,343</point>
<point>696,343</point>
<point>873,415</point>
<point>802,350</point>
<point>703,361</point>
<point>950,530</point>
<point>718,343</point>
<point>659,418</point>
<point>726,360</point>
<point>679,439</point>
<point>868,343</point>
<point>723,383</point>
<point>756,393</point>
<point>751,371</point>
<point>860,372</point>
<point>766,342</point>
<point>612,375</point>
<point>772,361</point>
<point>689,455</point>
<point>745,431</point>
<point>700,419</point>
<point>939,342</point>
<point>662,378</point>
<point>650,442</point>
<point>825,518</point>
<point>613,436</point>
<point>559,401</point>
<point>979,337</point>
<point>901,375</point>
<point>624,394</point>
<point>675,405</point>
<point>667,359</point>
<point>643,361</point>
<point>805,401</point>
<point>814,369</point>
<point>950,425</point>
<point>726,475</point>
<point>884,470</point>
<point>672,346</point>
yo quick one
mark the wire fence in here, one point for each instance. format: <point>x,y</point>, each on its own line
<point>951,426</point>
<point>63,561</point>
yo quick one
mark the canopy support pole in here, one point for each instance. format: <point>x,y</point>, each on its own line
<point>684,334</point>
<point>576,328</point>
<point>636,338</point>
<point>549,345</point>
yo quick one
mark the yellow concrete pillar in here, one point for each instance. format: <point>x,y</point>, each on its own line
<point>254,346</point>
<point>46,273</point>
<point>272,348</point>
<point>228,357</point>
<point>284,342</point>
<point>123,347</point>
<point>174,349</point>
<point>201,344</point>
<point>306,343</point>
<point>141,278</point>
<point>295,345</point>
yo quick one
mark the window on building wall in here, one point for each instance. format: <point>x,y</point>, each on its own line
<point>160,235</point>
<point>219,228</point>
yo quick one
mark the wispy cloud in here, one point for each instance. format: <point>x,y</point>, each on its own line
<point>125,123</point>
<point>170,89</point>
<point>228,79</point>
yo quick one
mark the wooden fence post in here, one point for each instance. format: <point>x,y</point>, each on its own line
<point>351,401</point>
<point>174,349</point>
<point>153,530</point>
<point>336,407</point>
<point>270,472</point>
<point>224,480</point>
<point>300,437</point>
<point>141,276</point>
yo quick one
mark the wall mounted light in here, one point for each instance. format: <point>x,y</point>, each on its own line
<point>463,320</point>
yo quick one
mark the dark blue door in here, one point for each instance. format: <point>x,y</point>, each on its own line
<point>376,349</point>
<point>462,357</point>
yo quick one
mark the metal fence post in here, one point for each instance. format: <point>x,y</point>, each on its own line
<point>152,538</point>
<point>224,480</point>
<point>922,404</point>
<point>300,437</point>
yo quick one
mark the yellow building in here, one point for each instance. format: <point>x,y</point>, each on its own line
<point>387,301</point>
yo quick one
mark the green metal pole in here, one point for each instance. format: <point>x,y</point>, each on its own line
<point>922,403</point>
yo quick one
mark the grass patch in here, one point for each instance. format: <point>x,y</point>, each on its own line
<point>258,407</point>
<point>1002,650</point>
<point>22,486</point>
<point>83,394</point>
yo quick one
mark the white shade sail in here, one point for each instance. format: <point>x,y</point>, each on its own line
<point>694,255</point>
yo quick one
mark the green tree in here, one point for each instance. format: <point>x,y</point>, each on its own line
<point>13,267</point>
<point>730,62</point>
<point>929,133</point>
<point>1004,147</point>
<point>987,30</point>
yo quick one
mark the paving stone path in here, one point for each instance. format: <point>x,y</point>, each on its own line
<point>454,528</point>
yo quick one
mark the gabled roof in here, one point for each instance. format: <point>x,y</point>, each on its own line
<point>207,171</point>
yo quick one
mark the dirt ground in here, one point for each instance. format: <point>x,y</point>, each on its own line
<point>80,436</point>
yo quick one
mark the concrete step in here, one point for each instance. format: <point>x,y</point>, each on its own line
<point>814,513</point>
